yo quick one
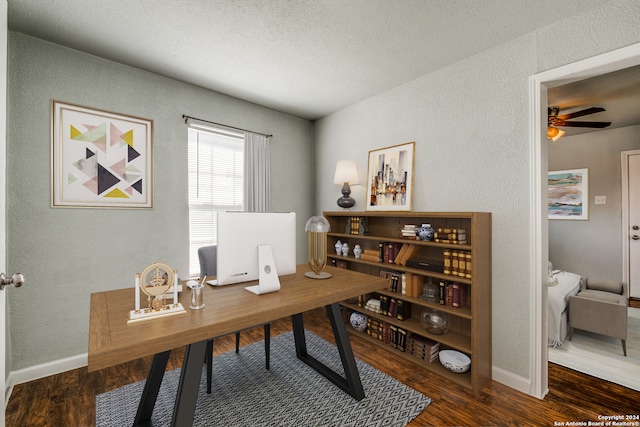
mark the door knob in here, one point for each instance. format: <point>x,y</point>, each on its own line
<point>16,280</point>
<point>635,227</point>
<point>635,237</point>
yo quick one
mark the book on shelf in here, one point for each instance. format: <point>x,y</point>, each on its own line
<point>402,339</point>
<point>397,281</point>
<point>403,310</point>
<point>415,282</point>
<point>453,231</point>
<point>393,336</point>
<point>392,307</point>
<point>409,231</point>
<point>391,251</point>
<point>375,329</point>
<point>451,241</point>
<point>386,333</point>
<point>423,348</point>
<point>455,236</point>
<point>453,294</point>
<point>449,236</point>
<point>339,263</point>
<point>458,295</point>
<point>457,263</point>
<point>373,305</point>
<point>406,252</point>
<point>384,305</point>
<point>363,299</point>
<point>371,258</point>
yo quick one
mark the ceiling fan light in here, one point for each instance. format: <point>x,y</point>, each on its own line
<point>554,134</point>
<point>558,136</point>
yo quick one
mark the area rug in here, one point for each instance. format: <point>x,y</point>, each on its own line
<point>289,394</point>
<point>601,356</point>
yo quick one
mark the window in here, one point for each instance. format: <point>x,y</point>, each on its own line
<point>216,182</point>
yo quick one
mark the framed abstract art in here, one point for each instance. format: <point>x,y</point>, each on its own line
<point>100,158</point>
<point>568,196</point>
<point>390,178</point>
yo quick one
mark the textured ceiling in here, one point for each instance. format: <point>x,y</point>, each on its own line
<point>306,58</point>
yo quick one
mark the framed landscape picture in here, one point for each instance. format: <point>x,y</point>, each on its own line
<point>568,194</point>
<point>100,159</point>
<point>390,178</point>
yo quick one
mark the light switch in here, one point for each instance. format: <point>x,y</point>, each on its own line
<point>601,200</point>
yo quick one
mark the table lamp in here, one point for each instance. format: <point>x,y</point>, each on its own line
<point>317,228</point>
<point>346,173</point>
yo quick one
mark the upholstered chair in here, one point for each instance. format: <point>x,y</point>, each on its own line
<point>207,256</point>
<point>600,307</point>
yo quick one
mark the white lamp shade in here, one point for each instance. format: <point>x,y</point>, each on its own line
<point>346,171</point>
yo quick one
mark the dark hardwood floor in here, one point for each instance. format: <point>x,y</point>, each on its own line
<point>68,399</point>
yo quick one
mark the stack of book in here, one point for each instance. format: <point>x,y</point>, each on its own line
<point>378,330</point>
<point>407,251</point>
<point>410,231</point>
<point>355,225</point>
<point>397,337</point>
<point>423,348</point>
<point>457,263</point>
<point>453,294</point>
<point>373,305</point>
<point>394,307</point>
<point>371,255</point>
<point>397,281</point>
<point>455,236</point>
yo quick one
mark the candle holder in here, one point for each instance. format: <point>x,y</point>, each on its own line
<point>317,228</point>
<point>155,282</point>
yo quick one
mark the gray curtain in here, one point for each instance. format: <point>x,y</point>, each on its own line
<point>257,172</point>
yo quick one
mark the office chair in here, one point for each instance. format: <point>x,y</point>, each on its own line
<point>207,255</point>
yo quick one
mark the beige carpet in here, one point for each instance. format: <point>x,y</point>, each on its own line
<point>602,356</point>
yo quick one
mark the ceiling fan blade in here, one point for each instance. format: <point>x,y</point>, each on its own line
<point>581,113</point>
<point>584,124</point>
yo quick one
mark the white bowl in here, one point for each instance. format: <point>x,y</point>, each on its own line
<point>455,361</point>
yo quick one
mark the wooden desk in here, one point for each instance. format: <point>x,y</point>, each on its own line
<point>228,309</point>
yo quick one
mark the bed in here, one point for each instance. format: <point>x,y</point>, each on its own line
<point>558,299</point>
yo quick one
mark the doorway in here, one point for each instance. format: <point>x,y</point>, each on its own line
<point>538,85</point>
<point>631,222</point>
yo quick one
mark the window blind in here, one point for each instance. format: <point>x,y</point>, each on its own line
<point>216,182</point>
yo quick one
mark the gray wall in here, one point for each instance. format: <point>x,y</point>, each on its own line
<point>470,125</point>
<point>66,254</point>
<point>593,248</point>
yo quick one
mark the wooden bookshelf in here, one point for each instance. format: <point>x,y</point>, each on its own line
<point>470,331</point>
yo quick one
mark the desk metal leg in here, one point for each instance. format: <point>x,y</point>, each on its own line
<point>351,382</point>
<point>189,384</point>
<point>151,388</point>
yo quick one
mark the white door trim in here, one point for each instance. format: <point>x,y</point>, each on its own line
<point>538,231</point>
<point>3,221</point>
<point>624,158</point>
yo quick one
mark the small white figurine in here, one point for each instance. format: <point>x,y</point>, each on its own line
<point>357,251</point>
<point>345,249</point>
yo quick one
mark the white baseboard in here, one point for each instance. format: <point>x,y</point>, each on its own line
<point>44,370</point>
<point>511,380</point>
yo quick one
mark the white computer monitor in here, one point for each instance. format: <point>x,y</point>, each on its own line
<point>256,246</point>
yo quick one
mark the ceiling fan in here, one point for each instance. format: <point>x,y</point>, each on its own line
<point>555,121</point>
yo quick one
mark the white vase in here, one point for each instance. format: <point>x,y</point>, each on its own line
<point>357,251</point>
